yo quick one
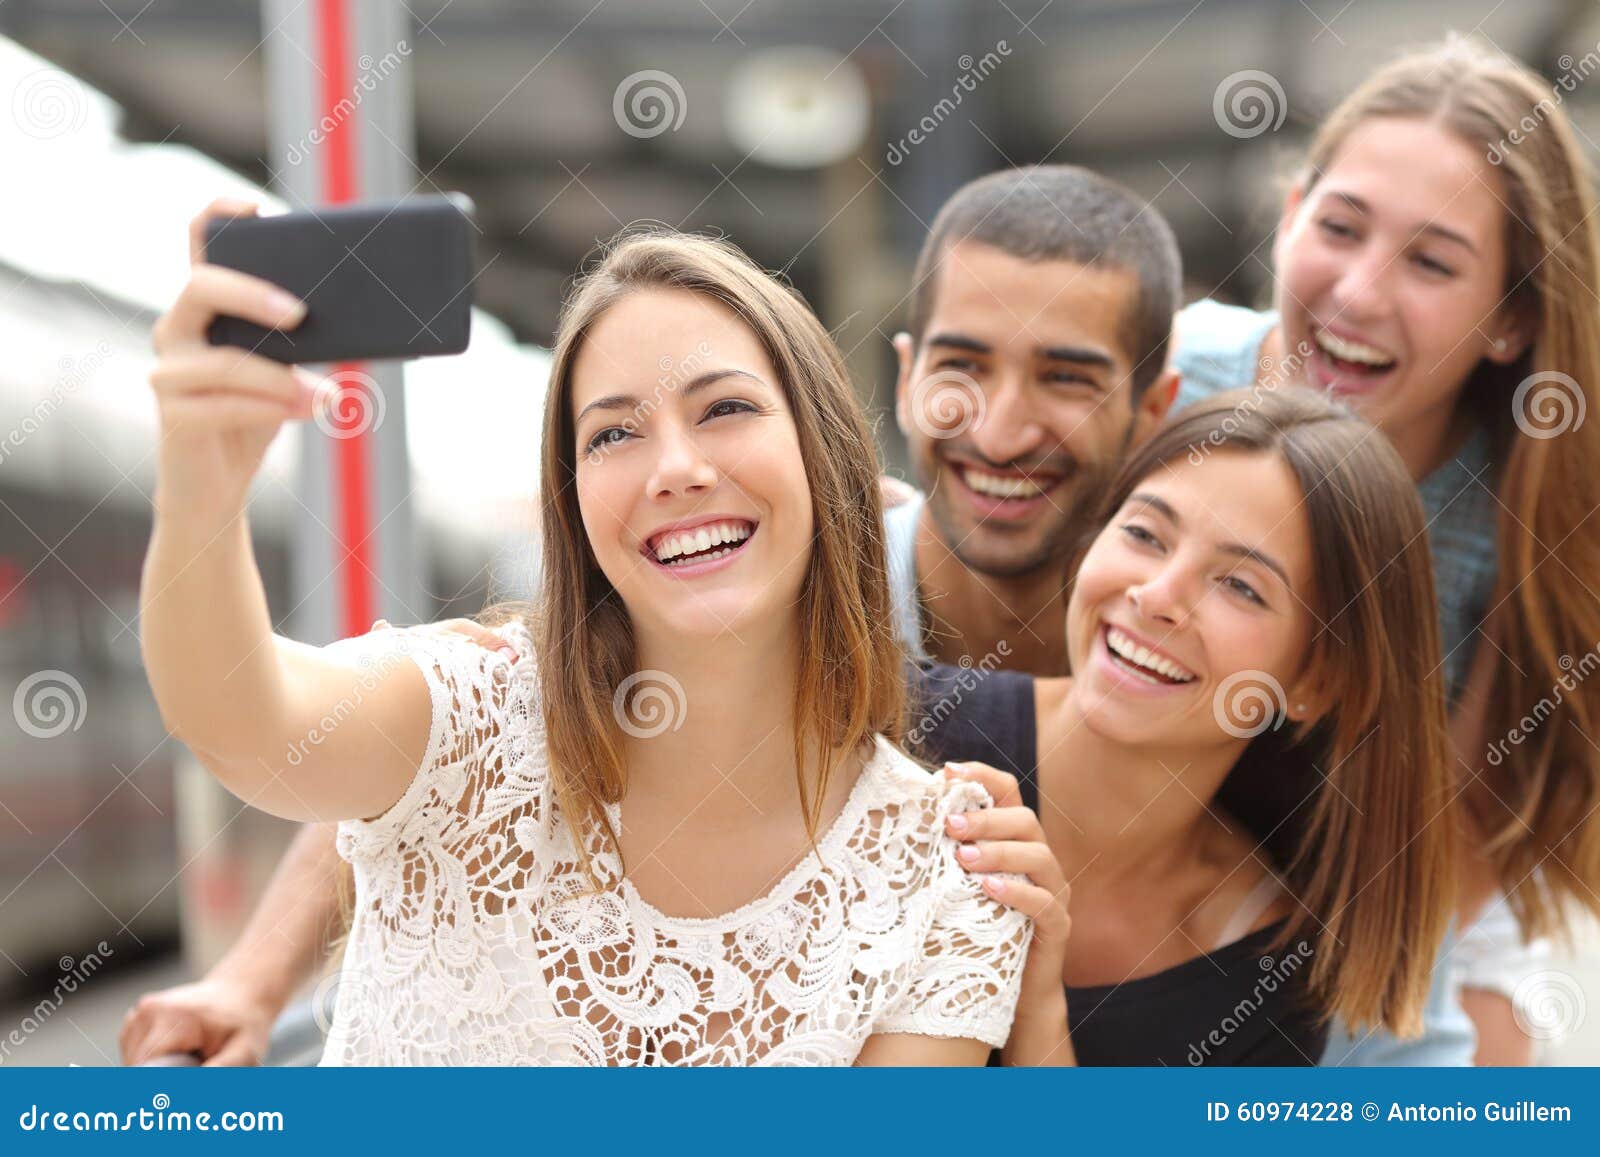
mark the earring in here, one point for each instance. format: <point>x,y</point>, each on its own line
<point>1500,344</point>
<point>1300,707</point>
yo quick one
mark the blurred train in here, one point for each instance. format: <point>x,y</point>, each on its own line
<point>88,831</point>
<point>90,822</point>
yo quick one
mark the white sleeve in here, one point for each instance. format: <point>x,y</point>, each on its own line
<point>1491,953</point>
<point>466,689</point>
<point>969,972</point>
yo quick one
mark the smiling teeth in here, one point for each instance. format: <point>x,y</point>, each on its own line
<point>702,538</point>
<point>1000,486</point>
<point>1352,351</point>
<point>1126,649</point>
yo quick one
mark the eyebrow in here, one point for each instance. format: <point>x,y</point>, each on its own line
<point>1080,355</point>
<point>1164,508</point>
<point>1448,234</point>
<point>631,401</point>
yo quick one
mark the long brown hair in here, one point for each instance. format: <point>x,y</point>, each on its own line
<point>850,684</point>
<point>1536,805</point>
<point>1373,864</point>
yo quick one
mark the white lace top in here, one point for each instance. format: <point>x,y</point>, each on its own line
<point>473,942</point>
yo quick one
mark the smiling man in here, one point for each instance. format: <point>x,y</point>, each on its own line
<point>1036,355</point>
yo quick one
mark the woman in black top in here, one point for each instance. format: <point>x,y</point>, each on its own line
<point>1171,1017</point>
<point>1240,780</point>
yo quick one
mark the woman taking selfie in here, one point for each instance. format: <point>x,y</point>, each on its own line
<point>1436,265</point>
<point>1243,775</point>
<point>675,830</point>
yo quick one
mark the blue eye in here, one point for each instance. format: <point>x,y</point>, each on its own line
<point>605,438</point>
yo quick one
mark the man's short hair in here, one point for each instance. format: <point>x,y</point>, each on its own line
<point>1066,213</point>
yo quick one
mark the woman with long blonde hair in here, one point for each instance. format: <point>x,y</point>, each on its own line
<point>1437,262</point>
<point>675,830</point>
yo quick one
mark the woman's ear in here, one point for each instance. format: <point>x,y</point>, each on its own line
<point>1309,699</point>
<point>1509,339</point>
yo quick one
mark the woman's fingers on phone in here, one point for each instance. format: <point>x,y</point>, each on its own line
<point>221,207</point>
<point>214,290</point>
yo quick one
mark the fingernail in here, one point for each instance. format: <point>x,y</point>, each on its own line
<point>958,823</point>
<point>968,852</point>
<point>508,652</point>
<point>291,308</point>
<point>996,885</point>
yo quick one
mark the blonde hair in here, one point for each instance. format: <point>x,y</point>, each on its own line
<point>1536,809</point>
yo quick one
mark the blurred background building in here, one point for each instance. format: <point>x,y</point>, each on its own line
<point>821,136</point>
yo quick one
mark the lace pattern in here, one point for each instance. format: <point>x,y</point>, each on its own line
<point>477,939</point>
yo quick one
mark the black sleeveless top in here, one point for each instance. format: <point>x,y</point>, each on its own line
<point>1245,1003</point>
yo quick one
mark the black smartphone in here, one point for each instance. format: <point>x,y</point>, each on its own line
<point>381,280</point>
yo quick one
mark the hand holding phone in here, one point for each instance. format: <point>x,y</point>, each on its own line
<point>387,280</point>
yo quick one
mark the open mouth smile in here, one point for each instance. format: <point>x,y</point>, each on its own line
<point>699,546</point>
<point>1005,494</point>
<point>1133,658</point>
